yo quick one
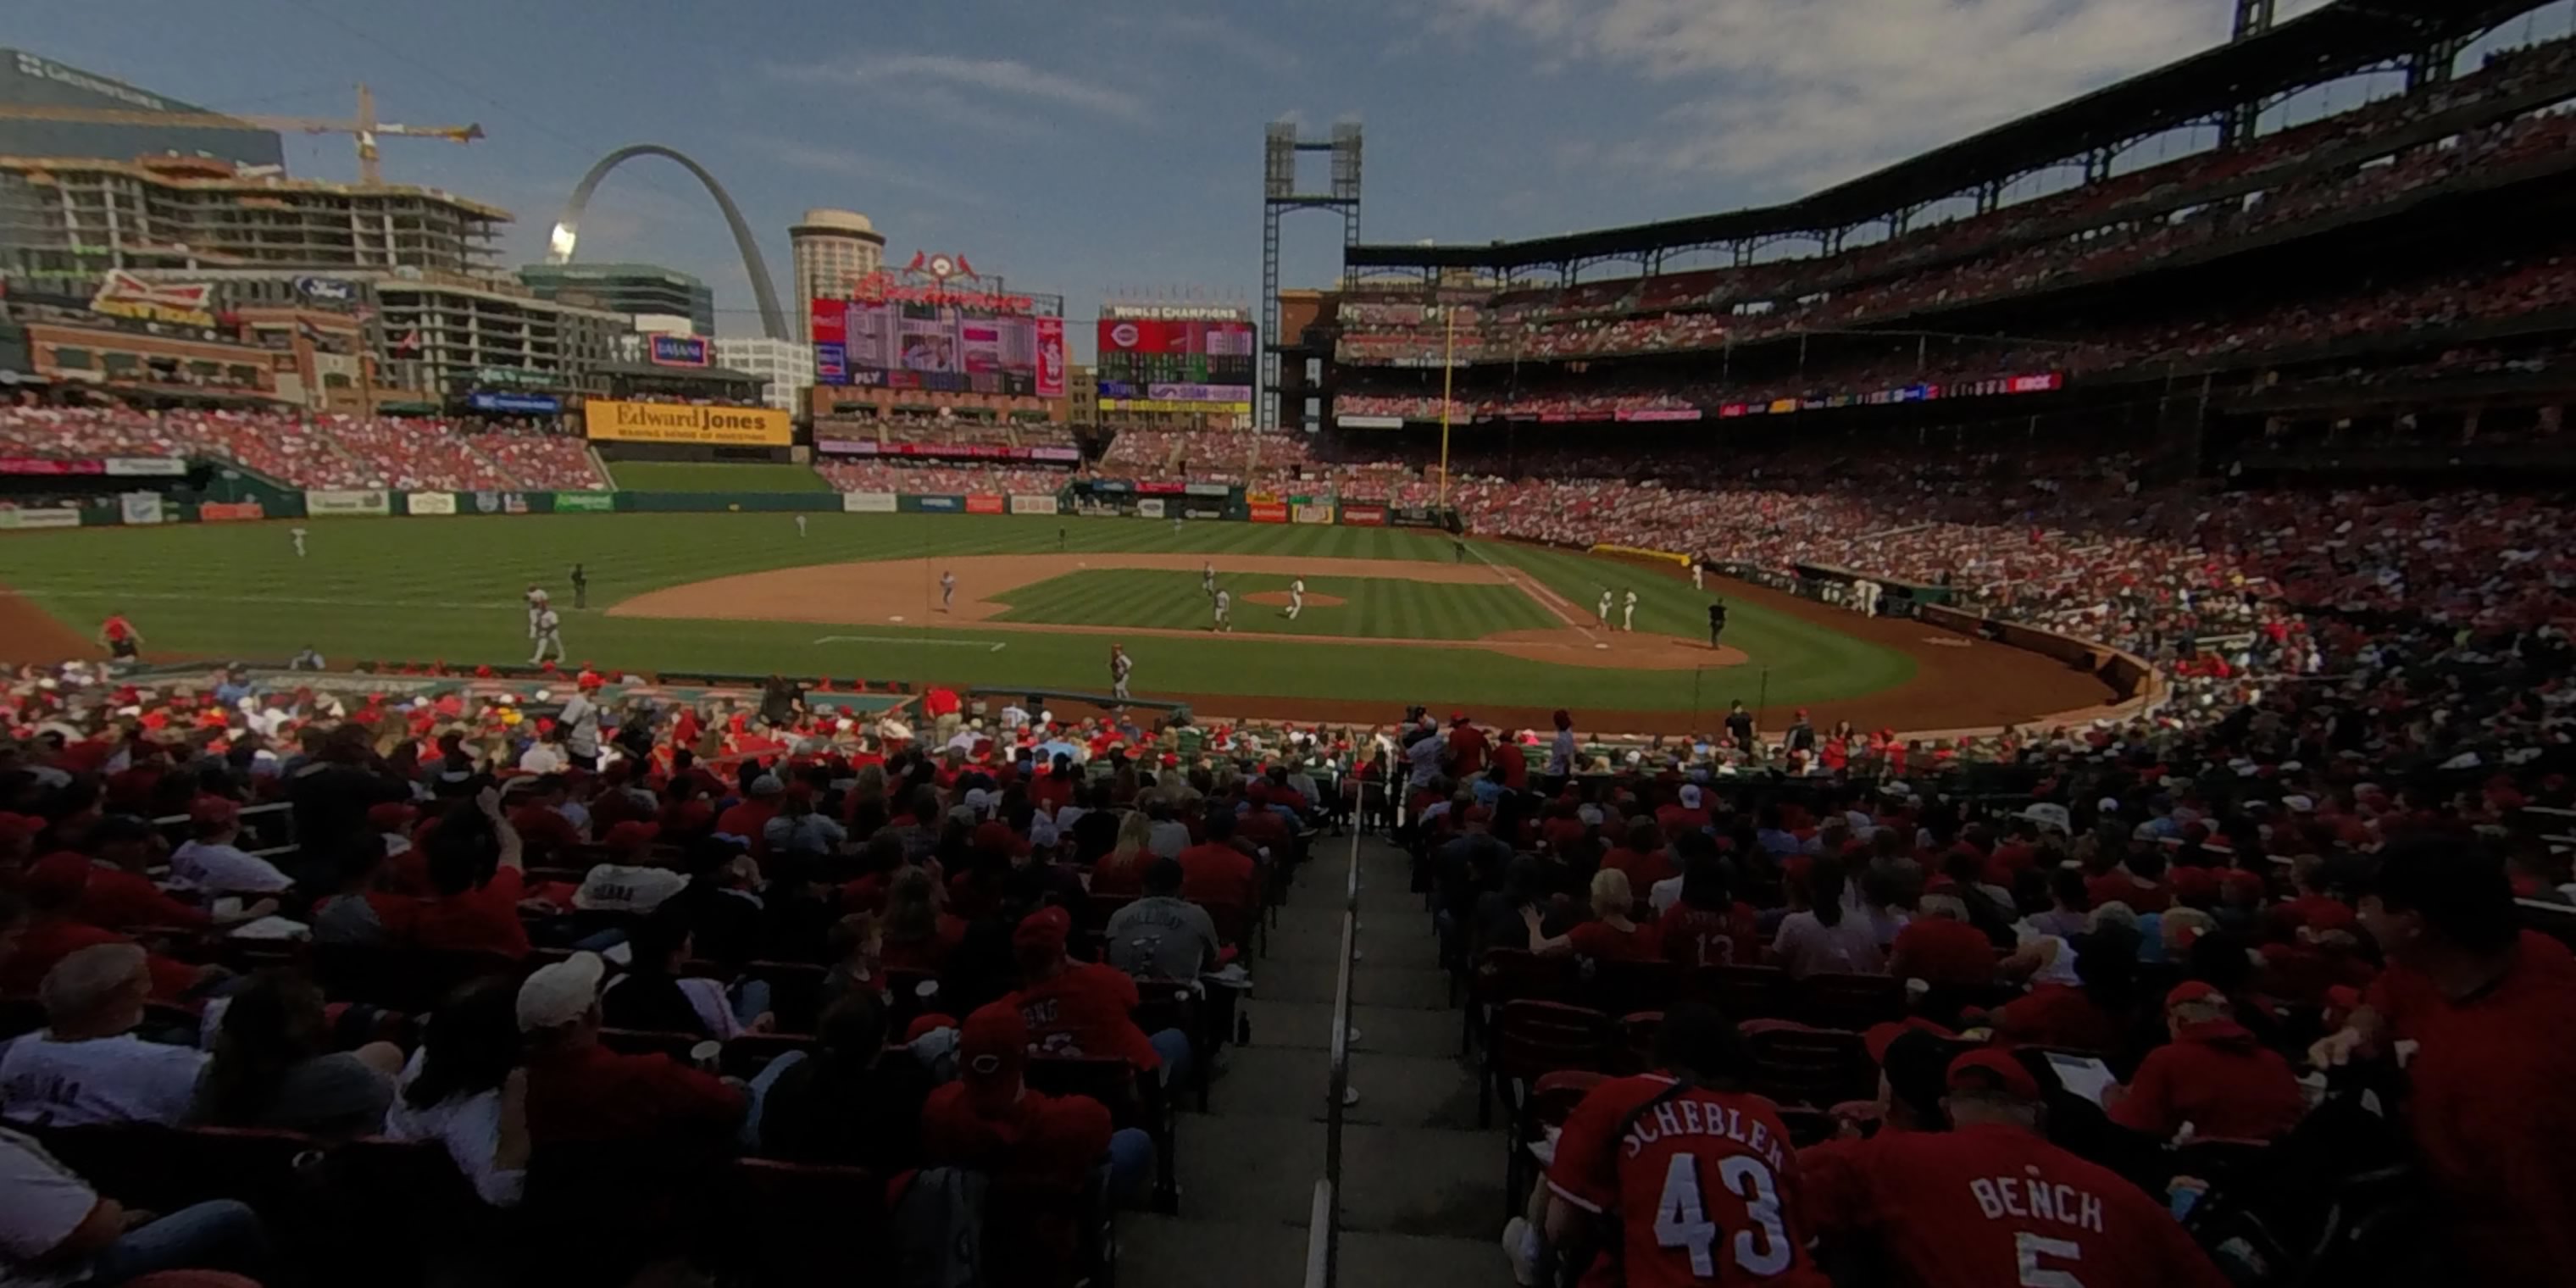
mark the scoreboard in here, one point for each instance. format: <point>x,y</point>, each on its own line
<point>1177,359</point>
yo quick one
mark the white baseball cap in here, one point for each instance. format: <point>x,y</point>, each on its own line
<point>560,993</point>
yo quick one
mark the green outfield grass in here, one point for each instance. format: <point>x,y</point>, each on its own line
<point>1375,608</point>
<point>449,589</point>
<point>696,476</point>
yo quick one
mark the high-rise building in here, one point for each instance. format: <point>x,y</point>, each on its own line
<point>626,288</point>
<point>787,365</point>
<point>832,247</point>
<point>32,80</point>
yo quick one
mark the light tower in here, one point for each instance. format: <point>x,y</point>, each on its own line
<point>1280,145</point>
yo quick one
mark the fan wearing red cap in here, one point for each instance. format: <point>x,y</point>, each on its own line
<point>1076,1008</point>
<point>1028,1142</point>
<point>1216,870</point>
<point>2213,1075</point>
<point>1991,1201</point>
<point>1696,1172</point>
<point>53,888</point>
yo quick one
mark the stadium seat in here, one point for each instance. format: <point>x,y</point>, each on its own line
<point>1551,1100</point>
<point>797,1225</point>
<point>1530,1038</point>
<point>1852,1002</point>
<point>1746,992</point>
<point>1795,1064</point>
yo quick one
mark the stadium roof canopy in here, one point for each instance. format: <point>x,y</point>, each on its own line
<point>2335,41</point>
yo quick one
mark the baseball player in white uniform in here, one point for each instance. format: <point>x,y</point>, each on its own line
<point>549,634</point>
<point>1628,613</point>
<point>536,605</point>
<point>1119,665</point>
<point>800,525</point>
<point>1224,612</point>
<point>1207,579</point>
<point>1699,574</point>
<point>1296,598</point>
<point>298,535</point>
<point>1604,610</point>
<point>947,590</point>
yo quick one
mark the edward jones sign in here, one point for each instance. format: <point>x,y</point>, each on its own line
<point>642,422</point>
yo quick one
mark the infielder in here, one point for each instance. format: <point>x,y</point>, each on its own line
<point>536,605</point>
<point>1119,665</point>
<point>549,632</point>
<point>1224,612</point>
<point>1207,579</point>
<point>1628,613</point>
<point>1296,598</point>
<point>1176,525</point>
<point>298,535</point>
<point>1699,573</point>
<point>947,590</point>
<point>800,527</point>
<point>1604,610</point>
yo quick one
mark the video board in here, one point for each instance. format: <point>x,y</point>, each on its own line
<point>1177,358</point>
<point>945,341</point>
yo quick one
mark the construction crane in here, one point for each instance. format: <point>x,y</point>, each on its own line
<point>366,127</point>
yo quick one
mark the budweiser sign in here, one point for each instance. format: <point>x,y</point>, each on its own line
<point>124,295</point>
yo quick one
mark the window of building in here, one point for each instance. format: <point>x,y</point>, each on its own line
<point>71,359</point>
<point>245,376</point>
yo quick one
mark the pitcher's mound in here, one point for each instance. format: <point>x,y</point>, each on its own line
<point>1279,599</point>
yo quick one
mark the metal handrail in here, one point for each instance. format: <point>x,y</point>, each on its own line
<point>1323,1236</point>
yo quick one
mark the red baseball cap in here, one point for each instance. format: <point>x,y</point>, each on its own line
<point>992,1049</point>
<point>391,816</point>
<point>631,835</point>
<point>1879,1037</point>
<point>57,879</point>
<point>2193,990</point>
<point>213,811</point>
<point>1043,931</point>
<point>17,827</point>
<point>1993,1069</point>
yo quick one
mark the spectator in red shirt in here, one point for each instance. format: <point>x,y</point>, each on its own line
<point>1642,855</point>
<point>1514,763</point>
<point>2137,882</point>
<point>478,880</point>
<point>1468,749</point>
<point>1122,870</point>
<point>2492,1010</point>
<point>1038,1150</point>
<point>2090,1016</point>
<point>1610,936</point>
<point>749,817</point>
<point>1215,871</point>
<point>1707,926</point>
<point>1684,816</point>
<point>1993,1202</point>
<point>1085,1008</point>
<point>1940,947</point>
<point>2213,1075</point>
<point>580,1092</point>
<point>544,833</point>
<point>919,935</point>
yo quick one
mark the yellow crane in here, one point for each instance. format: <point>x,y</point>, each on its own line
<point>366,127</point>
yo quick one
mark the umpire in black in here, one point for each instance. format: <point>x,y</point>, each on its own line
<point>1716,621</point>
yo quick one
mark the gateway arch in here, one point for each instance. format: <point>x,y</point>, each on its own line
<point>559,245</point>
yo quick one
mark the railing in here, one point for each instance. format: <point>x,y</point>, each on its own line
<point>1323,1236</point>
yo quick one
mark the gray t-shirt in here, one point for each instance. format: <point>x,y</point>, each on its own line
<point>349,919</point>
<point>328,1095</point>
<point>1159,938</point>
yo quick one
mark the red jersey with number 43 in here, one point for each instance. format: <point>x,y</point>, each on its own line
<point>1992,1206</point>
<point>1697,1182</point>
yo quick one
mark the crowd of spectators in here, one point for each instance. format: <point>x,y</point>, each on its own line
<point>939,478</point>
<point>313,450</point>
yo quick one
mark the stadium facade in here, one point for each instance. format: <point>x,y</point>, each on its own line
<point>627,288</point>
<point>29,80</point>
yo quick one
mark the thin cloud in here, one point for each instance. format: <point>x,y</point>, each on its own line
<point>1000,77</point>
<point>845,164</point>
<point>1787,97</point>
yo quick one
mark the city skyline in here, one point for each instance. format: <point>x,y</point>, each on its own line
<point>1112,150</point>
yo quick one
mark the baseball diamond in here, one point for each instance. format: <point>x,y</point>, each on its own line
<point>1392,615</point>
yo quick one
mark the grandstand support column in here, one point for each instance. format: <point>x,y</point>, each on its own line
<point>2236,126</point>
<point>1280,145</point>
<point>2434,64</point>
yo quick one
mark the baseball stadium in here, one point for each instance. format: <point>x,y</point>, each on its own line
<point>1972,683</point>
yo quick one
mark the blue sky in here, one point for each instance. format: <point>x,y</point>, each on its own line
<point>1094,146</point>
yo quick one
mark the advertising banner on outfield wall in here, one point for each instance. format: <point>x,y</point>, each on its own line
<point>139,507</point>
<point>1311,513</point>
<point>49,467</point>
<point>500,503</point>
<point>1369,422</point>
<point>44,517</point>
<point>1150,508</point>
<point>1269,512</point>
<point>429,503</point>
<point>1413,516</point>
<point>1095,509</point>
<point>1364,516</point>
<point>146,467</point>
<point>230,512</point>
<point>641,422</point>
<point>1203,512</point>
<point>941,504</point>
<point>1162,489</point>
<point>986,505</point>
<point>1207,489</point>
<point>592,502</point>
<point>867,503</point>
<point>332,501</point>
<point>1022,503</point>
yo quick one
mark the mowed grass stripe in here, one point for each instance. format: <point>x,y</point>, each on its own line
<point>1374,607</point>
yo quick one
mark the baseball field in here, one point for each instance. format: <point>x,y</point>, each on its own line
<point>1389,616</point>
